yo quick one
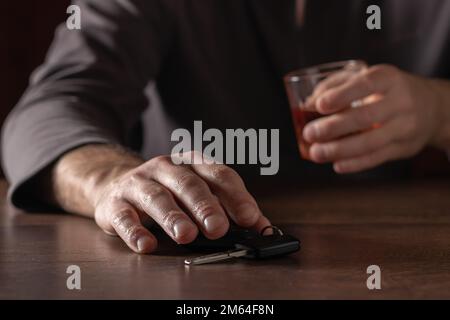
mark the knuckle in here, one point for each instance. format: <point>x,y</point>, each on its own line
<point>122,220</point>
<point>324,153</point>
<point>134,178</point>
<point>386,69</point>
<point>186,182</point>
<point>160,161</point>
<point>153,193</point>
<point>324,128</point>
<point>389,68</point>
<point>222,174</point>
<point>170,218</point>
<point>331,151</point>
<point>132,233</point>
<point>370,76</point>
<point>392,68</point>
<point>116,189</point>
<point>120,217</point>
<point>376,69</point>
<point>204,208</point>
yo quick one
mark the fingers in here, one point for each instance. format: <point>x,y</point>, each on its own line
<point>230,189</point>
<point>121,219</point>
<point>349,121</point>
<point>158,188</point>
<point>156,201</point>
<point>356,139</point>
<point>334,80</point>
<point>369,160</point>
<point>195,195</point>
<point>262,223</point>
<point>375,80</point>
<point>356,145</point>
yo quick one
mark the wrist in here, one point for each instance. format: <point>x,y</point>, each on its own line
<point>81,176</point>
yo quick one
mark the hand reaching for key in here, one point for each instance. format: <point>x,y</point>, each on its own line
<point>124,194</point>
<point>398,115</point>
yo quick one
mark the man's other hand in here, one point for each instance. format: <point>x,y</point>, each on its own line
<point>396,115</point>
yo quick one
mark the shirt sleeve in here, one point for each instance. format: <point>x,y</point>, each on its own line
<point>90,88</point>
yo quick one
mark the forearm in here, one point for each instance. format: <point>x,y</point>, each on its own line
<point>77,179</point>
<point>442,93</point>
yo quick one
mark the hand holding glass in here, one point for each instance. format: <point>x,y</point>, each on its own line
<point>303,84</point>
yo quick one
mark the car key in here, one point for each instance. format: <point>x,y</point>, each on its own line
<point>259,247</point>
<point>227,242</point>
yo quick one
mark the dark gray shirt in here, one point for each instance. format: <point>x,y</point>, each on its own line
<point>218,61</point>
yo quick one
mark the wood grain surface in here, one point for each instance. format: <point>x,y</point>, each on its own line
<point>403,227</point>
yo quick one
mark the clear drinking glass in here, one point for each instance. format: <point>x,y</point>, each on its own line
<point>300,84</point>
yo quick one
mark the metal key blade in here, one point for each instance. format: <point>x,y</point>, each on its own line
<point>220,256</point>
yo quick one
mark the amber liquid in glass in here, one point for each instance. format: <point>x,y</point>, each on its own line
<point>301,118</point>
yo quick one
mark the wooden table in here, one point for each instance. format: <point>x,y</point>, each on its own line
<point>403,227</point>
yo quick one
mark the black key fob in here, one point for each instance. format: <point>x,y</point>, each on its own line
<point>227,242</point>
<point>262,247</point>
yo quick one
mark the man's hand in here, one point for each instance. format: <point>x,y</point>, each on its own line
<point>398,114</point>
<point>123,193</point>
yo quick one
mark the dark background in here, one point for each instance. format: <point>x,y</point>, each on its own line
<point>26,31</point>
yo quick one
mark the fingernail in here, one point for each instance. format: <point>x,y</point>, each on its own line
<point>247,214</point>
<point>144,243</point>
<point>181,228</point>
<point>268,232</point>
<point>213,223</point>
